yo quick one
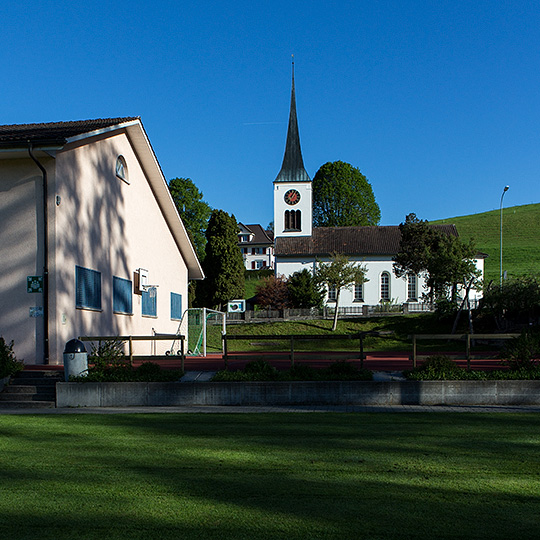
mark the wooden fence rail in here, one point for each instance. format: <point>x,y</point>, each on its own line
<point>131,339</point>
<point>292,339</point>
<point>458,337</point>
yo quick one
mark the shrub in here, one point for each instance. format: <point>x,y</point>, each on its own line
<point>523,351</point>
<point>9,365</point>
<point>261,370</point>
<point>437,367</point>
<point>108,363</point>
<point>344,371</point>
<point>301,372</point>
<point>148,371</point>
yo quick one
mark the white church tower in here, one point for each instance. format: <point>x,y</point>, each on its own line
<point>293,212</point>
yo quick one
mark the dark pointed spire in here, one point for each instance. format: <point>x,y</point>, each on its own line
<point>292,169</point>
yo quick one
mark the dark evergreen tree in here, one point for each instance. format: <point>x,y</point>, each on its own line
<point>304,291</point>
<point>223,265</point>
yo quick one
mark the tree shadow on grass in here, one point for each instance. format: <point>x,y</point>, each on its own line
<point>272,476</point>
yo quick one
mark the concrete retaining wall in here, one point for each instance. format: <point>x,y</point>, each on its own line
<point>297,393</point>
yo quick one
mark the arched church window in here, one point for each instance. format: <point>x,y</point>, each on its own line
<point>385,287</point>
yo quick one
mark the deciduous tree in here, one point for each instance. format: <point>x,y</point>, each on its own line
<point>343,197</point>
<point>272,292</point>
<point>444,259</point>
<point>339,274</point>
<point>193,210</point>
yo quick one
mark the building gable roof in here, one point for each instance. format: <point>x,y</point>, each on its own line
<point>260,236</point>
<point>57,132</point>
<point>61,134</point>
<point>359,241</point>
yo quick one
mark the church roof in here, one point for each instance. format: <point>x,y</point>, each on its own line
<point>292,169</point>
<point>360,241</point>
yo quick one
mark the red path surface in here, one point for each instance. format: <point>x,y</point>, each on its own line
<point>381,361</point>
<point>376,361</point>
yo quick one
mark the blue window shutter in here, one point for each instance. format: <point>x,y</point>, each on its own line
<point>176,306</point>
<point>122,296</point>
<point>149,302</point>
<point>87,288</point>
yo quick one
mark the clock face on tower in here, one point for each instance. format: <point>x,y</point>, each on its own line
<point>292,197</point>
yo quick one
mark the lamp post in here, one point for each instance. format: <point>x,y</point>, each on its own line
<point>504,191</point>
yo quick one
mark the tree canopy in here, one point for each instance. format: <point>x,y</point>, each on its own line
<point>445,260</point>
<point>222,264</point>
<point>339,274</point>
<point>304,291</point>
<point>343,197</point>
<point>192,209</point>
<point>272,292</point>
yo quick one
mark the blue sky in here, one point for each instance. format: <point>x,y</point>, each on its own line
<point>436,102</point>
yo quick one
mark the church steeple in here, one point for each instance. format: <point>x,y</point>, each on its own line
<point>293,212</point>
<point>292,169</point>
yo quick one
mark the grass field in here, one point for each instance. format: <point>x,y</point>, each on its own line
<point>394,332</point>
<point>249,476</point>
<point>521,244</point>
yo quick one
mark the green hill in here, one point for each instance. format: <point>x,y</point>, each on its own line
<point>521,239</point>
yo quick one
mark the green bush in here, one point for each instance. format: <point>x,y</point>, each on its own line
<point>441,368</point>
<point>523,351</point>
<point>108,363</point>
<point>261,370</point>
<point>9,365</point>
<point>437,368</point>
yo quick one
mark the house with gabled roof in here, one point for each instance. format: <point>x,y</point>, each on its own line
<point>256,246</point>
<point>298,245</point>
<point>91,242</point>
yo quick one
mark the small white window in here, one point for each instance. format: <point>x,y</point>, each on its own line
<point>332,293</point>
<point>121,169</point>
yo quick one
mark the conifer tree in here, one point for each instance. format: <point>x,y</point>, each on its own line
<point>223,265</point>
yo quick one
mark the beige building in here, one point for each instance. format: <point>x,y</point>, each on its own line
<point>90,239</point>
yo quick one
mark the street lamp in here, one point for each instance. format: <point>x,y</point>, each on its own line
<point>504,191</point>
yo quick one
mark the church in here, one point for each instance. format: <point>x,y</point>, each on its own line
<point>298,245</point>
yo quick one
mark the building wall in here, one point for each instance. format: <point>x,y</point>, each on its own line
<point>21,253</point>
<point>304,205</point>
<point>249,258</point>
<point>114,227</point>
<point>372,288</point>
<point>96,221</point>
<point>376,266</point>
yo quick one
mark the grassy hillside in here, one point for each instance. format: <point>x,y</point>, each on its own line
<point>521,239</point>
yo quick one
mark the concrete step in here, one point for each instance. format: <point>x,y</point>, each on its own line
<point>34,396</point>
<point>9,405</point>
<point>30,389</point>
<point>44,377</point>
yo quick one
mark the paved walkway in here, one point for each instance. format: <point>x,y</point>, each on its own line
<point>216,409</point>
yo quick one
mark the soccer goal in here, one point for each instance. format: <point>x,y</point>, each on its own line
<point>203,329</point>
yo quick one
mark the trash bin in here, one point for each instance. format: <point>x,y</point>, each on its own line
<point>75,359</point>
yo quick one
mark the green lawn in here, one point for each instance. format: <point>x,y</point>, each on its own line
<point>261,476</point>
<point>394,332</point>
<point>521,245</point>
